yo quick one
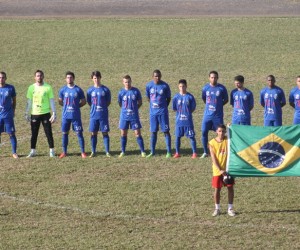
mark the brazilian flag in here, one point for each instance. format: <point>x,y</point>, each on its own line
<point>263,151</point>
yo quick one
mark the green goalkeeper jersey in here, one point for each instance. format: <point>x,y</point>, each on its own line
<point>40,97</point>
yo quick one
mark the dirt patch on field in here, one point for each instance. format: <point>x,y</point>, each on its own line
<point>160,8</point>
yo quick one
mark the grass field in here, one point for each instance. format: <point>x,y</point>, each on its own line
<point>132,203</point>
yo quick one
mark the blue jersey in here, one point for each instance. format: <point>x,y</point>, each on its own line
<point>184,105</point>
<point>272,100</point>
<point>294,98</point>
<point>158,95</point>
<point>128,100</point>
<point>71,102</point>
<point>214,97</point>
<point>7,93</point>
<point>99,99</point>
<point>242,102</point>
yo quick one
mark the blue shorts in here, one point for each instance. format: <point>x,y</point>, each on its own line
<point>184,131</point>
<point>241,122</point>
<point>273,123</point>
<point>162,120</point>
<point>7,125</point>
<point>211,124</point>
<point>134,124</point>
<point>76,125</point>
<point>99,125</point>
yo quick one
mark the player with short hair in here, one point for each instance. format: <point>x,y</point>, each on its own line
<point>158,94</point>
<point>241,99</point>
<point>294,100</point>
<point>184,105</point>
<point>272,98</point>
<point>215,96</point>
<point>7,112</point>
<point>99,98</point>
<point>218,151</point>
<point>71,98</point>
<point>40,101</point>
<point>130,100</point>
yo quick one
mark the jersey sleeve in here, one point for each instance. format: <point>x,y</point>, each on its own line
<point>261,99</point>
<point>81,94</point>
<point>168,93</point>
<point>88,97</point>
<point>13,91</point>
<point>225,95</point>
<point>108,96</point>
<point>283,101</point>
<point>251,100</point>
<point>231,98</point>
<point>193,103</point>
<point>120,97</point>
<point>174,102</point>
<point>147,92</point>
<point>291,96</point>
<point>51,95</point>
<point>61,94</point>
<point>29,92</point>
<point>203,94</point>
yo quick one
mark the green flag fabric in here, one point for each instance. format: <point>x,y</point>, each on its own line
<point>263,151</point>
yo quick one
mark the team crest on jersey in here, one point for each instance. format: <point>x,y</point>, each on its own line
<point>161,91</point>
<point>103,93</point>
<point>93,94</point>
<point>133,97</point>
<point>245,97</point>
<point>152,91</point>
<point>66,94</point>
<point>179,102</point>
<point>275,96</point>
<point>6,93</point>
<point>124,98</point>
<point>207,93</point>
<point>218,93</point>
<point>297,96</point>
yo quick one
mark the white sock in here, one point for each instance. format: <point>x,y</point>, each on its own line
<point>33,150</point>
<point>51,150</point>
<point>230,206</point>
<point>217,206</point>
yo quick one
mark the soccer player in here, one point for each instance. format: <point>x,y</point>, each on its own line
<point>7,112</point>
<point>215,96</point>
<point>241,99</point>
<point>218,151</point>
<point>130,100</point>
<point>99,98</point>
<point>184,104</point>
<point>272,98</point>
<point>40,100</point>
<point>158,94</point>
<point>294,100</point>
<point>72,98</point>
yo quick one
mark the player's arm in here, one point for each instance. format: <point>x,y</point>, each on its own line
<point>193,104</point>
<point>251,106</point>
<point>262,100</point>
<point>108,97</point>
<point>214,159</point>
<point>82,102</point>
<point>14,104</point>
<point>225,99</point>
<point>283,101</point>
<point>168,101</point>
<point>88,98</point>
<point>291,99</point>
<point>203,95</point>
<point>28,109</point>
<point>139,103</point>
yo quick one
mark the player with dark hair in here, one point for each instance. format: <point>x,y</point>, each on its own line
<point>215,96</point>
<point>130,100</point>
<point>99,98</point>
<point>158,94</point>
<point>40,100</point>
<point>241,99</point>
<point>272,98</point>
<point>218,151</point>
<point>294,100</point>
<point>7,112</point>
<point>72,98</point>
<point>184,105</point>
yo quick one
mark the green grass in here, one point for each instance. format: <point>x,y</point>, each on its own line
<point>132,202</point>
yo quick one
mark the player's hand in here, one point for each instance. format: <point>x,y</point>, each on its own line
<point>53,118</point>
<point>27,117</point>
<point>222,172</point>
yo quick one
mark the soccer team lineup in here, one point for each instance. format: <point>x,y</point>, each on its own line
<point>41,109</point>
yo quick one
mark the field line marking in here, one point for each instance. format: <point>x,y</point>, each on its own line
<point>134,217</point>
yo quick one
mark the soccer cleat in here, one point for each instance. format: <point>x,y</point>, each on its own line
<point>121,154</point>
<point>176,155</point>
<point>194,156</point>
<point>52,153</point>
<point>150,155</point>
<point>168,155</point>
<point>108,155</point>
<point>83,155</point>
<point>15,156</point>
<point>231,212</point>
<point>92,155</point>
<point>204,155</point>
<point>62,155</point>
<point>143,154</point>
<point>216,213</point>
<point>31,154</point>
